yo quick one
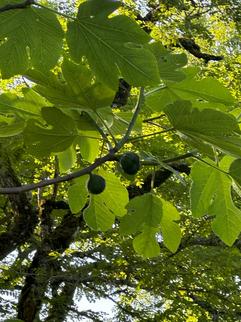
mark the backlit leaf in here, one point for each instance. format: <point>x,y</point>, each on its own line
<point>203,188</point>
<point>14,127</point>
<point>57,137</point>
<point>169,63</point>
<point>142,210</point>
<point>115,194</point>
<point>32,32</point>
<point>235,170</point>
<point>75,87</point>
<point>215,199</point>
<point>114,46</point>
<point>210,126</point>
<point>103,208</point>
<point>77,194</point>
<point>205,93</point>
<point>171,232</point>
<point>145,244</point>
<point>97,215</point>
<point>207,122</point>
<point>66,159</point>
<point>89,147</point>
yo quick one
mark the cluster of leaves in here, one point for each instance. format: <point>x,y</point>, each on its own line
<point>53,114</point>
<point>72,70</point>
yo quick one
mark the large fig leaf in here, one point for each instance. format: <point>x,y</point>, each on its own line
<point>209,126</point>
<point>213,197</point>
<point>77,194</point>
<point>204,93</point>
<point>113,46</point>
<point>67,159</point>
<point>170,230</point>
<point>75,87</point>
<point>33,37</point>
<point>168,63</point>
<point>145,244</point>
<point>143,211</point>
<point>56,137</point>
<point>235,170</point>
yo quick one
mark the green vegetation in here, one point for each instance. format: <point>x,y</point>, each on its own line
<point>120,160</point>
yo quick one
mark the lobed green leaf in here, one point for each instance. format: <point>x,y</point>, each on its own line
<point>114,46</point>
<point>57,137</point>
<point>33,37</point>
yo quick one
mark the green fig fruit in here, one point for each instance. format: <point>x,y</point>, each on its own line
<point>130,163</point>
<point>96,184</point>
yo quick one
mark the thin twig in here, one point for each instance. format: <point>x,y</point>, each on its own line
<point>190,154</point>
<point>27,3</point>
<point>125,309</point>
<point>153,179</point>
<point>154,118</point>
<point>105,125</point>
<point>104,136</point>
<point>154,124</point>
<point>136,138</point>
<point>155,90</point>
<point>56,174</point>
<point>25,82</point>
<point>132,122</point>
<point>181,157</point>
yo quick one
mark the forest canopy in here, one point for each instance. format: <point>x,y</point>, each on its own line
<point>120,161</point>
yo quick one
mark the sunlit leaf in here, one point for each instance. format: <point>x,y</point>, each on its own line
<point>104,207</point>
<point>145,244</point>
<point>89,147</point>
<point>119,43</point>
<point>142,210</point>
<point>170,230</point>
<point>205,93</point>
<point>66,159</point>
<point>32,32</point>
<point>169,63</point>
<point>207,122</point>
<point>97,215</point>
<point>77,194</point>
<point>115,194</point>
<point>210,126</point>
<point>75,87</point>
<point>235,170</point>
<point>204,183</point>
<point>215,199</point>
<point>57,137</point>
<point>14,127</point>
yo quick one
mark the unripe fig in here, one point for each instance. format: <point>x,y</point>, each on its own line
<point>96,184</point>
<point>130,163</point>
